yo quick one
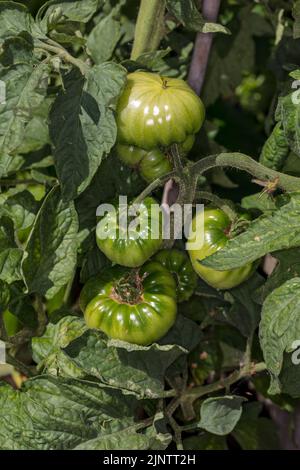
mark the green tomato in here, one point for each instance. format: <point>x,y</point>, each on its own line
<point>216,235</point>
<point>137,306</point>
<point>130,155</point>
<point>181,268</point>
<point>152,163</point>
<point>133,243</point>
<point>156,111</point>
<point>11,323</point>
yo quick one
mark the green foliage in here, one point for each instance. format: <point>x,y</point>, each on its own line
<point>279,327</point>
<point>220,415</point>
<point>275,150</point>
<point>82,127</point>
<point>188,14</point>
<point>229,364</point>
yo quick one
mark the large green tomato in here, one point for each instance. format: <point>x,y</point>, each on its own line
<point>156,111</point>
<point>131,244</point>
<point>178,263</point>
<point>137,306</point>
<point>216,235</point>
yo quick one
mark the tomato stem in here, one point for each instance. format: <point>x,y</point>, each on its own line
<point>246,163</point>
<point>176,157</point>
<point>192,394</point>
<point>154,185</point>
<point>149,28</point>
<point>218,202</point>
<point>51,46</point>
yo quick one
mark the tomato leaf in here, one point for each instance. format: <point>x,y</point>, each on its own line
<point>56,413</point>
<point>253,432</point>
<point>62,11</point>
<point>219,415</point>
<point>82,125</point>
<point>25,89</point>
<point>134,369</point>
<point>205,441</point>
<point>104,37</point>
<point>10,254</point>
<point>276,149</point>
<point>188,14</point>
<point>14,18</point>
<point>288,267</point>
<point>280,327</point>
<point>244,313</point>
<point>51,252</point>
<point>47,349</point>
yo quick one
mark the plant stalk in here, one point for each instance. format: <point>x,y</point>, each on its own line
<point>218,202</point>
<point>197,392</point>
<point>149,27</point>
<point>63,54</point>
<point>243,162</point>
<point>203,43</point>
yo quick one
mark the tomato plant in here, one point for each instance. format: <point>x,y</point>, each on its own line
<point>121,326</point>
<point>134,306</point>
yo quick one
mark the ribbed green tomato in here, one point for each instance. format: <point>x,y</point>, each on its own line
<point>216,235</point>
<point>131,244</point>
<point>156,111</point>
<point>181,268</point>
<point>137,306</point>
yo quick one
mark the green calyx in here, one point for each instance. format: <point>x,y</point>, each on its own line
<point>129,289</point>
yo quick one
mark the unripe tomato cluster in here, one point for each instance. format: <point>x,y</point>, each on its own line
<point>136,300</point>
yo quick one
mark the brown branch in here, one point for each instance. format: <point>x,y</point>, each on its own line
<point>203,43</point>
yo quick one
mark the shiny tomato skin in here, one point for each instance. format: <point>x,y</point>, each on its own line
<point>154,165</point>
<point>156,111</point>
<point>216,230</point>
<point>145,318</point>
<point>128,247</point>
<point>178,263</point>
